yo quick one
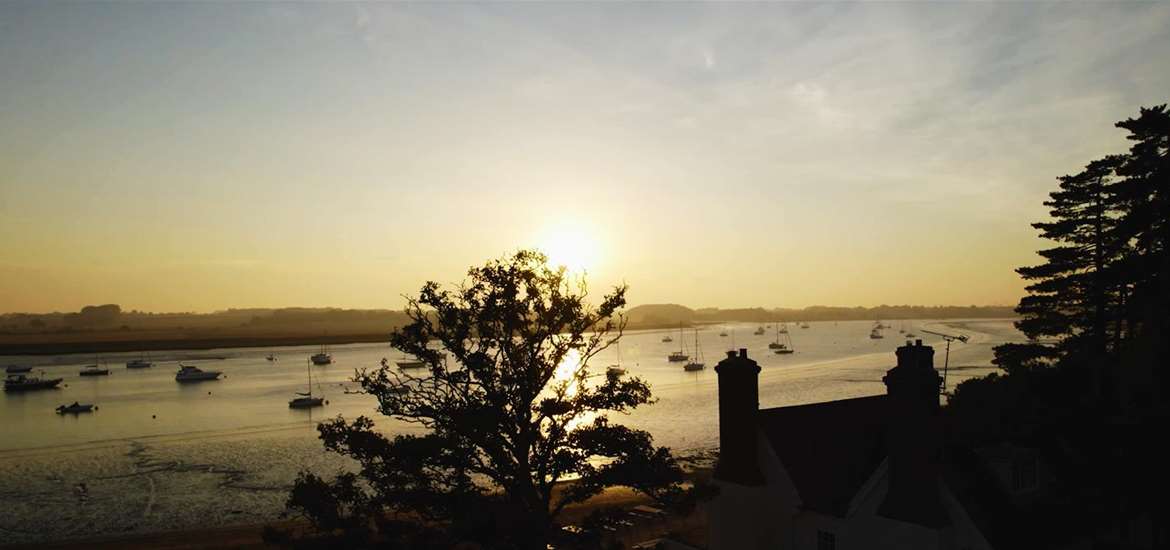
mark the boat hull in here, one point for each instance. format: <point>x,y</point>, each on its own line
<point>691,367</point>
<point>30,386</point>
<point>96,372</point>
<point>199,377</point>
<point>411,364</point>
<point>306,402</point>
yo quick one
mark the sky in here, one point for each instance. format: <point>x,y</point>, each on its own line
<point>196,157</point>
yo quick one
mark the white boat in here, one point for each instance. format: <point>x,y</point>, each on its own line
<point>803,325</point>
<point>76,408</point>
<point>189,373</point>
<point>696,363</point>
<point>681,354</point>
<point>306,400</point>
<point>22,382</point>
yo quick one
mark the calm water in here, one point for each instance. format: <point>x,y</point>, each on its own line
<point>161,455</point>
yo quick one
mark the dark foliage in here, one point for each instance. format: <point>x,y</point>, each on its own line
<point>508,410</point>
<point>1087,392</point>
<point>1101,299</point>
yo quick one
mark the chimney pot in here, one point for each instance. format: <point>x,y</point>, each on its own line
<point>743,352</point>
<point>730,354</point>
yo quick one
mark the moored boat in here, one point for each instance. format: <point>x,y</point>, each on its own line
<point>681,354</point>
<point>306,400</point>
<point>782,348</point>
<point>94,370</point>
<point>322,357</point>
<point>22,382</point>
<point>76,408</point>
<point>617,368</point>
<point>140,363</point>
<point>697,363</point>
<point>188,373</point>
<point>13,369</point>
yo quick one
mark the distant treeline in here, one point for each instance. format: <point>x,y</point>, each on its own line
<point>109,328</point>
<point>670,314</point>
<point>322,321</point>
<point>111,317</point>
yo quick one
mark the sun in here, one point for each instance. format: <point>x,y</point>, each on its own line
<point>572,247</point>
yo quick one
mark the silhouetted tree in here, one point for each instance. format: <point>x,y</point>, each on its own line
<point>508,408</point>
<point>1106,278</point>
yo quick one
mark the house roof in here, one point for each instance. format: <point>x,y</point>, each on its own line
<point>829,449</point>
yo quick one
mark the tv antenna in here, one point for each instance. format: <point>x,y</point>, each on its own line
<point>947,361</point>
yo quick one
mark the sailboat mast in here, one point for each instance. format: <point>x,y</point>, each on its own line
<point>309,371</point>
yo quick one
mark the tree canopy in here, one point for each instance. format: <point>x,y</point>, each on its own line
<point>1103,291</point>
<point>509,408</point>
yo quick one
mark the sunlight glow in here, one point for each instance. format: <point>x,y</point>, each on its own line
<point>569,365</point>
<point>571,246</point>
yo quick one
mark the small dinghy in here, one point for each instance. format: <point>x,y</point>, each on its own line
<point>76,408</point>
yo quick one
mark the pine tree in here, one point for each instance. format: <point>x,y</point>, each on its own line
<point>1073,295</point>
<point>1107,280</point>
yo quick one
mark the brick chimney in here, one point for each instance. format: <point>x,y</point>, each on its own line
<point>739,401</point>
<point>913,438</point>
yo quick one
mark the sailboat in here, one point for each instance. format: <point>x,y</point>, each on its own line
<point>681,354</point>
<point>876,332</point>
<point>782,328</point>
<point>759,330</point>
<point>322,357</point>
<point>696,363</point>
<point>666,339</point>
<point>306,400</point>
<point>782,348</point>
<point>617,368</point>
<point>803,324</point>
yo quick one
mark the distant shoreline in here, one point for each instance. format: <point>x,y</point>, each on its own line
<point>114,346</point>
<point>119,342</point>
